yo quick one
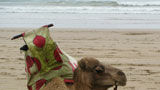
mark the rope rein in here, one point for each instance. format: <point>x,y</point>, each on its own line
<point>116,86</point>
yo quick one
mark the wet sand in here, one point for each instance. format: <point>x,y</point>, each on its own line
<point>136,52</point>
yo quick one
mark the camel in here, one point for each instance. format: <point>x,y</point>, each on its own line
<point>91,74</point>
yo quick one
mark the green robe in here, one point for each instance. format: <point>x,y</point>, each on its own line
<point>45,60</point>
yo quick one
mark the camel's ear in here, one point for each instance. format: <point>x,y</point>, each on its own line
<point>82,64</point>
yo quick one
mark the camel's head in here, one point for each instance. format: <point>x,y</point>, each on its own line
<point>97,75</point>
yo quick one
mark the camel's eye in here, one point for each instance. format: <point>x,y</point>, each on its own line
<point>99,69</point>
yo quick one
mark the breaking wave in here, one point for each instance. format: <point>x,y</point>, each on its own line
<point>87,2</point>
<point>79,6</point>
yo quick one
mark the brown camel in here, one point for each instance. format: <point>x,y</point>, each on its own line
<point>91,75</point>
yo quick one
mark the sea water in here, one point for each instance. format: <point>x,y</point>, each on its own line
<point>105,14</point>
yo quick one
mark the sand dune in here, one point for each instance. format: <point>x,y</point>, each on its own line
<point>135,52</point>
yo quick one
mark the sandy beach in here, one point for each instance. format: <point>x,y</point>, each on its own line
<point>137,53</point>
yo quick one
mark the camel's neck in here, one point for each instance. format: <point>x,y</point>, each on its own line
<point>80,86</point>
<point>99,88</point>
<point>82,80</point>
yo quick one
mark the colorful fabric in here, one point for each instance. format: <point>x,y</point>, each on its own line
<point>45,60</point>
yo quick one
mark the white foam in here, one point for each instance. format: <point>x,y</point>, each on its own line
<point>82,9</point>
<point>78,6</point>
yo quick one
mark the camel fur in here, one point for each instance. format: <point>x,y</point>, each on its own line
<point>91,74</point>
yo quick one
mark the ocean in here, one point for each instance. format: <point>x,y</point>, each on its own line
<point>103,14</point>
